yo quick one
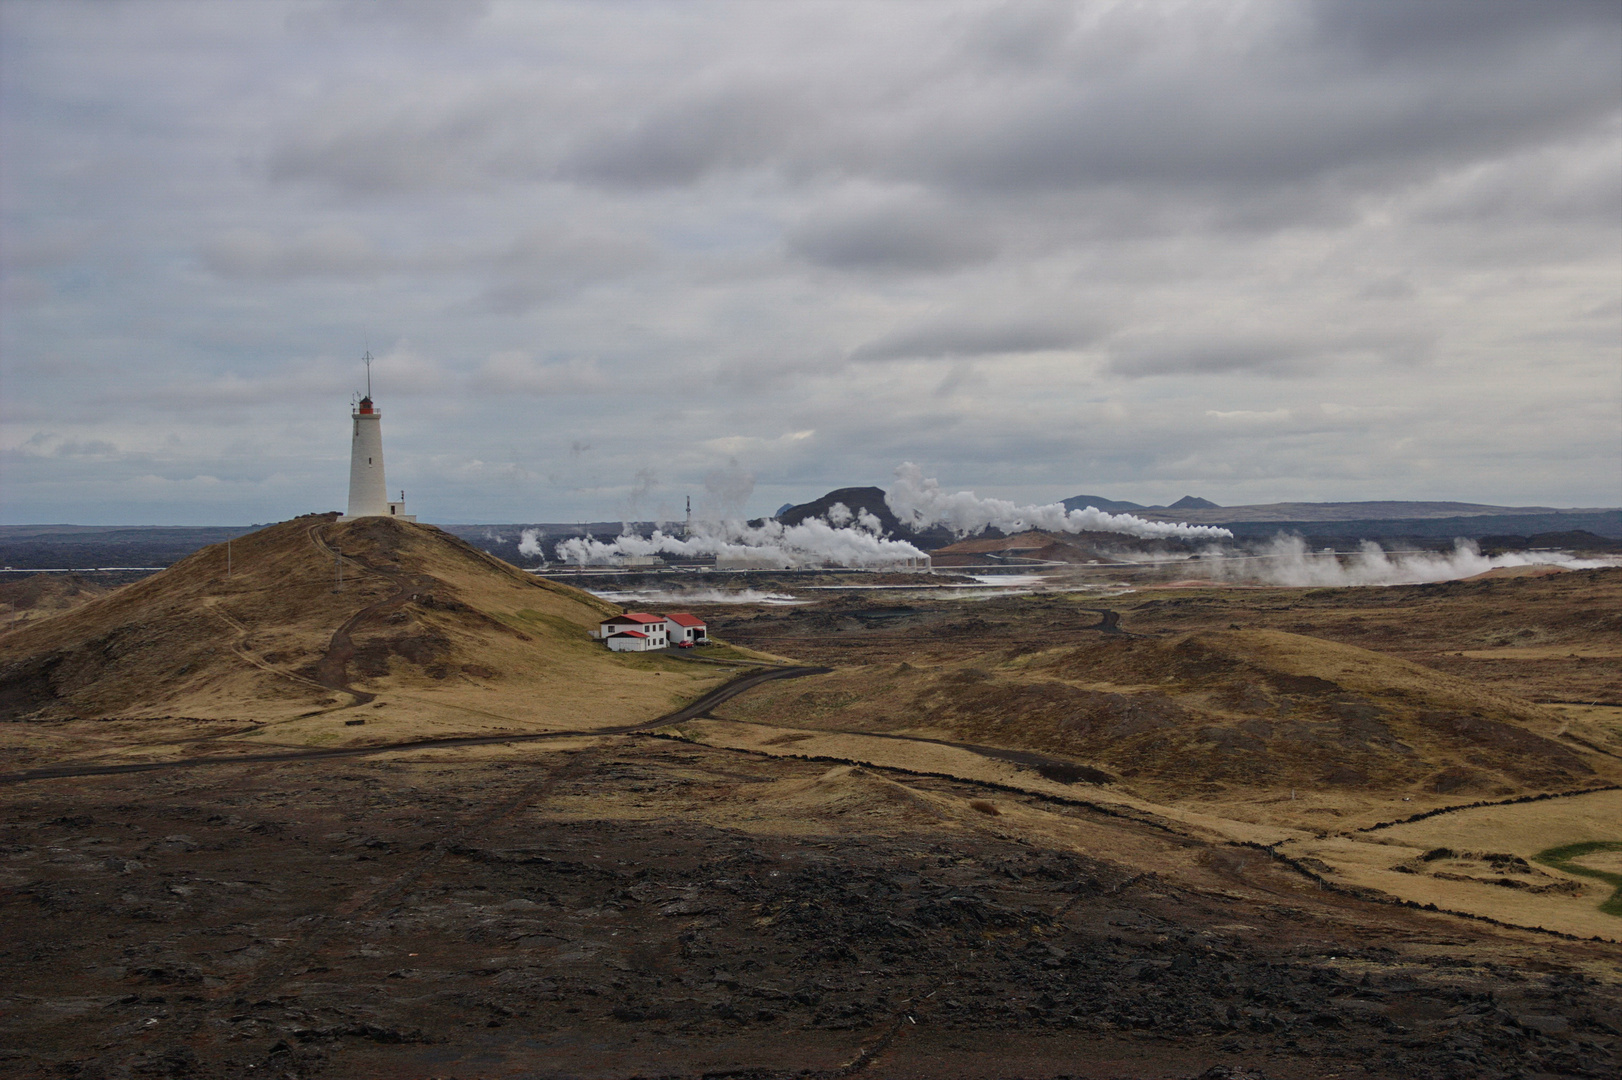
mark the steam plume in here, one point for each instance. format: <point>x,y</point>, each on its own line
<point>813,542</point>
<point>529,544</point>
<point>921,503</point>
<point>1286,561</point>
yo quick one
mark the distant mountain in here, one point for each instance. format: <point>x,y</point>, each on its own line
<point>1571,540</point>
<point>1491,530</point>
<point>1109,506</point>
<point>870,499</point>
<point>1390,510</point>
<point>1193,502</point>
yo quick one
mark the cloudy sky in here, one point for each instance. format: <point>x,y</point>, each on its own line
<point>610,254</point>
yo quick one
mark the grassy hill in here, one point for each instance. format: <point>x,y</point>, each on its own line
<point>1204,713</point>
<point>426,635</point>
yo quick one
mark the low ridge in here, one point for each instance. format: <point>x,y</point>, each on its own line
<point>420,622</point>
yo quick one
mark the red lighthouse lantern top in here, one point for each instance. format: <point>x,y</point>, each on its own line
<point>365,406</point>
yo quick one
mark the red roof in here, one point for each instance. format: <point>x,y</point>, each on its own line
<point>681,618</point>
<point>635,617</point>
<point>629,633</point>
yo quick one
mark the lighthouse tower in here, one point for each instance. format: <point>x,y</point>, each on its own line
<point>368,493</point>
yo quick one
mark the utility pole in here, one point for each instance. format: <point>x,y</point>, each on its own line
<point>228,557</point>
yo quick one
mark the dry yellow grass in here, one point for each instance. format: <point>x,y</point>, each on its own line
<point>474,646</point>
<point>1466,881</point>
<point>950,761</point>
<point>1546,652</point>
<point>1231,719</point>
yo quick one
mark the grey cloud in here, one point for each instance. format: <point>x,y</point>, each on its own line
<point>894,237</point>
<point>51,445</point>
<point>434,18</point>
<point>1463,28</point>
<point>517,274</point>
<point>544,264</point>
<point>1182,135</point>
<point>970,339</point>
<point>1271,105</point>
<point>1388,287</point>
<point>1201,356</point>
<point>516,372</point>
<point>1092,223</point>
<point>738,127</point>
<point>1557,184</point>
<point>372,140</point>
<point>1276,354</point>
<point>334,250</point>
<point>1021,36</point>
<point>51,248</point>
<point>1273,102</point>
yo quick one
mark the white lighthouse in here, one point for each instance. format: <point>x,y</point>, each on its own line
<point>368,493</point>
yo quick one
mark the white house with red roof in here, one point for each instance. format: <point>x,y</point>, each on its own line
<point>640,631</point>
<point>685,627</point>
<point>634,631</point>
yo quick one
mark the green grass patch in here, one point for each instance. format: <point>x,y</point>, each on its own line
<point>565,632</point>
<point>1561,858</point>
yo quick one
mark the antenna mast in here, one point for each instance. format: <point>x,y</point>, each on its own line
<point>368,359</point>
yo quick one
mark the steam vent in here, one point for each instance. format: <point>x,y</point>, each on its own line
<point>368,493</point>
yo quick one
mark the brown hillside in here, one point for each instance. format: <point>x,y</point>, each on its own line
<point>36,596</point>
<point>1042,546</point>
<point>1206,712</point>
<point>424,625</point>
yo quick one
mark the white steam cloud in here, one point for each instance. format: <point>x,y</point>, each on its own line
<point>529,544</point>
<point>920,503</point>
<point>772,545</point>
<point>1286,561</point>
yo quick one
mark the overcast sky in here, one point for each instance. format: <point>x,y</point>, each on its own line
<point>610,254</point>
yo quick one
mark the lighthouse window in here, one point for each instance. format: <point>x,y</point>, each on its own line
<point>368,461</point>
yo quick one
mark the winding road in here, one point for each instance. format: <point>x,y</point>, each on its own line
<point>696,708</point>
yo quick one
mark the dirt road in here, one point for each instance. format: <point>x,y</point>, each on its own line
<point>687,712</point>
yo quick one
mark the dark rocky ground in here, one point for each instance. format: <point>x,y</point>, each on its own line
<point>594,914</point>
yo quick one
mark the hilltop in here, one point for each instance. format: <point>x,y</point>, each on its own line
<point>425,634</point>
<point>1254,710</point>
